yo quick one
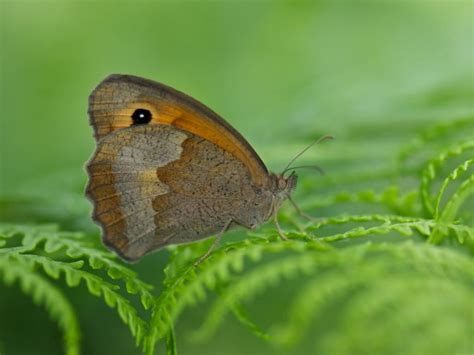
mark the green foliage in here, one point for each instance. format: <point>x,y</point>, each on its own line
<point>365,269</point>
<point>407,285</point>
<point>430,173</point>
<point>46,294</point>
<point>38,256</point>
<point>393,272</point>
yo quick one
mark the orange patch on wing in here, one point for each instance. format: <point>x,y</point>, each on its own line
<point>189,121</point>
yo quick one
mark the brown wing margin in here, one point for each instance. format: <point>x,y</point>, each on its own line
<point>116,98</point>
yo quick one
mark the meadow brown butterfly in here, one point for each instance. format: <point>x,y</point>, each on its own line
<point>168,170</point>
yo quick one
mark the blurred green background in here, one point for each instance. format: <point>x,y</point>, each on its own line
<point>281,72</point>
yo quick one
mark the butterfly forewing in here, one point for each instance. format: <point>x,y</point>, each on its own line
<point>113,103</point>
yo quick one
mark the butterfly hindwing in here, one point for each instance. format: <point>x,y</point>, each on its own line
<point>154,185</point>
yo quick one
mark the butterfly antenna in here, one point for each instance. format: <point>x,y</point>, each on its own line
<point>314,167</point>
<point>317,141</point>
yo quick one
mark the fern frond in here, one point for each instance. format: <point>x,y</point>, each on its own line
<point>244,318</point>
<point>254,283</point>
<point>454,175</point>
<point>429,173</point>
<point>187,287</point>
<point>465,190</point>
<point>403,228</point>
<point>365,218</point>
<point>66,254</point>
<point>449,213</point>
<point>403,304</point>
<point>96,286</point>
<point>406,226</point>
<point>400,263</point>
<point>437,132</point>
<point>363,266</point>
<point>171,342</point>
<point>44,293</point>
<point>75,246</point>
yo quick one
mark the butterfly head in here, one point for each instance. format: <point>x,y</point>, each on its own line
<point>285,185</point>
<point>273,196</point>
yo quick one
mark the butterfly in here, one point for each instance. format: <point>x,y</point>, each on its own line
<point>168,170</point>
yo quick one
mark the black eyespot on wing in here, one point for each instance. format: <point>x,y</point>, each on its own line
<point>141,116</point>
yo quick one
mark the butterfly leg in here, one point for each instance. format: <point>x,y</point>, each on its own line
<point>215,244</point>
<point>302,214</point>
<point>279,230</point>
